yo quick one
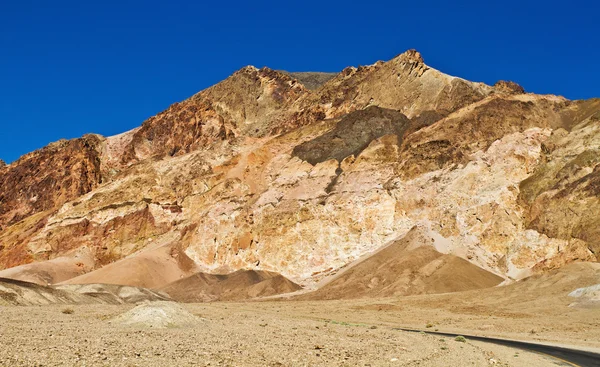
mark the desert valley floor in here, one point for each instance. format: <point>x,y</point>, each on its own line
<point>288,332</point>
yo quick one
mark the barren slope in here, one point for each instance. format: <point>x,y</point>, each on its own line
<point>311,80</point>
<point>149,269</point>
<point>259,172</point>
<point>53,271</point>
<point>410,265</point>
<point>18,293</point>
<point>240,285</point>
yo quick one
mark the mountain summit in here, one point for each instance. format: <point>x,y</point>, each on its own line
<point>301,174</point>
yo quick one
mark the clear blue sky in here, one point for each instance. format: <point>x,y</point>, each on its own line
<point>72,67</point>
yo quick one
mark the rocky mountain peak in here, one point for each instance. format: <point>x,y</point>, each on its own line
<point>508,87</point>
<point>303,173</point>
<point>411,56</point>
<point>2,163</point>
<point>265,75</point>
<point>247,69</point>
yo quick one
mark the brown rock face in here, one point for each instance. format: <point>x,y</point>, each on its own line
<point>564,191</point>
<point>404,83</point>
<point>508,87</point>
<point>312,80</point>
<point>303,174</point>
<point>453,140</point>
<point>352,135</point>
<point>242,105</point>
<point>47,178</point>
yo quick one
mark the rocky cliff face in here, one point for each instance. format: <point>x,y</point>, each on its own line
<point>261,172</point>
<point>241,106</point>
<point>49,177</point>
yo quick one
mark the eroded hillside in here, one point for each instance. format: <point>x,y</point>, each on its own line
<point>261,172</point>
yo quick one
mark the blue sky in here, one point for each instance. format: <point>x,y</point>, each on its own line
<point>72,67</point>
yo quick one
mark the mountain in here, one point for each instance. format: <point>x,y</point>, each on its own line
<point>302,174</point>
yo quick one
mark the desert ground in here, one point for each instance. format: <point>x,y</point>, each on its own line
<point>242,334</point>
<point>290,332</point>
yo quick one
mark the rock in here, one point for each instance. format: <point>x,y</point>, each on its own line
<point>312,80</point>
<point>586,297</point>
<point>352,135</point>
<point>508,87</point>
<point>157,315</point>
<point>411,56</point>
<point>47,178</point>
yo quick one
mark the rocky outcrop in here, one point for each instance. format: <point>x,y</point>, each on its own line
<point>49,177</point>
<point>453,140</point>
<point>261,173</point>
<point>405,84</point>
<point>508,87</point>
<point>241,106</point>
<point>312,80</point>
<point>352,135</point>
<point>563,193</point>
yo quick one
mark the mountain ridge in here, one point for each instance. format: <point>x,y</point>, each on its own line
<point>260,172</point>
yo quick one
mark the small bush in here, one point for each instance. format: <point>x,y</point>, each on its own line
<point>68,311</point>
<point>429,325</point>
<point>461,339</point>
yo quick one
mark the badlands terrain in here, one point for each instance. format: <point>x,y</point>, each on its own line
<point>282,218</point>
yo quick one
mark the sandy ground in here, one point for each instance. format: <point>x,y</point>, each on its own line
<point>324,333</point>
<point>284,332</point>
